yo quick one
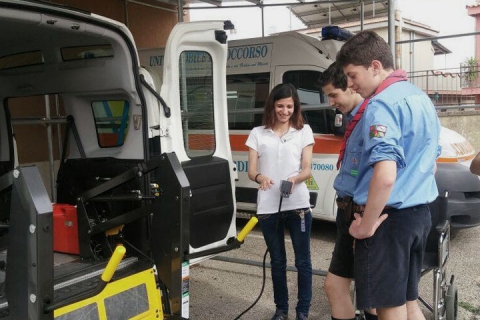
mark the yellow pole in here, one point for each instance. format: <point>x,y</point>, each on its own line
<point>112,265</point>
<point>248,227</point>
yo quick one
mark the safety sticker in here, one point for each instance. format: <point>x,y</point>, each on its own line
<point>311,183</point>
<point>377,131</point>
<point>186,305</point>
<point>185,289</point>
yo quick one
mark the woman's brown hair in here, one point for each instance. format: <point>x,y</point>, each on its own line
<point>282,91</point>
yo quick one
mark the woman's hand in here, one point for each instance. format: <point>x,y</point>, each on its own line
<point>265,182</point>
<point>293,181</point>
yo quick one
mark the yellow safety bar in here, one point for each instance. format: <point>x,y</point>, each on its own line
<point>246,230</point>
<point>107,275</point>
<point>113,263</point>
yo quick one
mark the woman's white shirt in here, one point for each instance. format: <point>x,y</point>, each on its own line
<point>280,158</point>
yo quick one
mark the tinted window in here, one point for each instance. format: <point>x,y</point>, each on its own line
<point>321,120</point>
<point>111,121</point>
<point>87,52</point>
<point>21,60</point>
<point>246,95</point>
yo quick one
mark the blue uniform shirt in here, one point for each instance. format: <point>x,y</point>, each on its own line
<point>347,175</point>
<point>401,124</point>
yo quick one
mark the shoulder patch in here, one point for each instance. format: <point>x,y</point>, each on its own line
<point>377,131</point>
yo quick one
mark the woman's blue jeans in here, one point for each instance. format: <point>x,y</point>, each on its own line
<point>273,228</point>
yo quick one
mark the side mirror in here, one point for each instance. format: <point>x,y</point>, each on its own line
<point>340,124</point>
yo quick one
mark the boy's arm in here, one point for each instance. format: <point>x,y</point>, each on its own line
<point>381,186</point>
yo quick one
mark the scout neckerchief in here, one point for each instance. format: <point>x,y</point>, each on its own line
<point>395,76</point>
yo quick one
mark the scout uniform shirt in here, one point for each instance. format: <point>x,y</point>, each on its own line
<point>400,124</point>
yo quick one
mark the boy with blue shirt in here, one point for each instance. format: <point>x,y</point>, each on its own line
<point>341,271</point>
<point>395,179</point>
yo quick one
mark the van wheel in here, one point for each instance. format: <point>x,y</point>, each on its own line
<point>451,302</point>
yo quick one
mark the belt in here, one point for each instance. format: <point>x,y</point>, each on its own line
<point>346,204</point>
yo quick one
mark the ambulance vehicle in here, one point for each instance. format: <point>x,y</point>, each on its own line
<point>256,65</point>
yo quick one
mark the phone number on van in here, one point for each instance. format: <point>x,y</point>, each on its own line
<point>322,167</point>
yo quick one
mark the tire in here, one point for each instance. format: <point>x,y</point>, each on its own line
<point>451,302</point>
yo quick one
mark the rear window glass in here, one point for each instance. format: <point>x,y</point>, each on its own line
<point>111,122</point>
<point>22,59</point>
<point>196,101</point>
<point>87,52</point>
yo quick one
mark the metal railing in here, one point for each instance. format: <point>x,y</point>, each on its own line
<point>448,87</point>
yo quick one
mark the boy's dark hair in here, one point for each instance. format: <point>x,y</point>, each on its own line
<point>279,92</point>
<point>363,48</point>
<point>333,75</point>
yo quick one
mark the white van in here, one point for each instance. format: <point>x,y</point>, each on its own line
<point>132,172</point>
<point>256,65</point>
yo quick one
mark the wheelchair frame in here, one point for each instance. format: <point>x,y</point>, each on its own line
<point>445,295</point>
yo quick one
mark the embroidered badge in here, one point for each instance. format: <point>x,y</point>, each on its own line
<point>354,160</point>
<point>377,131</point>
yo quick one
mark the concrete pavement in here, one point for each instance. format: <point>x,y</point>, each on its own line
<point>223,290</point>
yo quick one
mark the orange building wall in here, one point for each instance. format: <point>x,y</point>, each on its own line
<point>150,25</point>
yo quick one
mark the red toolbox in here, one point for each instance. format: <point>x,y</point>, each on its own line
<point>65,228</point>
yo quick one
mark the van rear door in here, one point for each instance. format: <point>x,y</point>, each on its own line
<point>193,84</point>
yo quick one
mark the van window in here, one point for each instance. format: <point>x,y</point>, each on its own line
<point>321,121</point>
<point>111,122</point>
<point>87,52</point>
<point>246,96</point>
<point>4,140</point>
<point>196,101</point>
<point>22,59</point>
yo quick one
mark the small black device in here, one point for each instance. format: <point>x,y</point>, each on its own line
<point>285,188</point>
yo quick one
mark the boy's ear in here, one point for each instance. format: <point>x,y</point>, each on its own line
<point>376,66</point>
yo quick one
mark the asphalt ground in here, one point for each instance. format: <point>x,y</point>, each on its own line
<point>223,290</point>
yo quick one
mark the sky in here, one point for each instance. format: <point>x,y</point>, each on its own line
<point>446,16</point>
<point>450,18</point>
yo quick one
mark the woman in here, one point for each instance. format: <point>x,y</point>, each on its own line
<point>279,150</point>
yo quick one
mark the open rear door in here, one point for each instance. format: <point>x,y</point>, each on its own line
<point>194,87</point>
<point>6,164</point>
